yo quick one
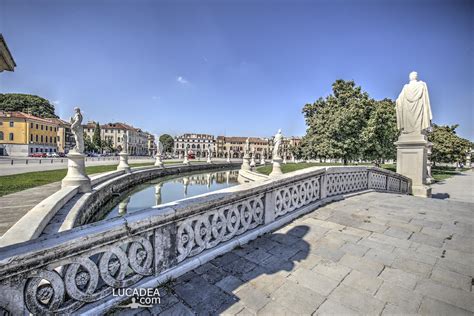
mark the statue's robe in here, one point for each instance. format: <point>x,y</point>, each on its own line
<point>413,108</point>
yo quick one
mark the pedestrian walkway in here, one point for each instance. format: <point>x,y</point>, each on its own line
<point>14,206</point>
<point>376,253</point>
<point>457,188</point>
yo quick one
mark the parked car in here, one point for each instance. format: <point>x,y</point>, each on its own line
<point>61,155</point>
<point>191,156</point>
<point>38,155</point>
<point>52,155</point>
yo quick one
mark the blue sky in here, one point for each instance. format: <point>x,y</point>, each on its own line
<point>235,68</point>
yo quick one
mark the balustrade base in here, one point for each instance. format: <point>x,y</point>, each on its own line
<point>76,173</point>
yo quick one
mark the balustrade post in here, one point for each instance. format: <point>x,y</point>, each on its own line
<point>323,186</point>
<point>270,207</point>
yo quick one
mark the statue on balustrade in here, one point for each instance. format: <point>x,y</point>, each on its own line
<point>277,140</point>
<point>413,107</point>
<point>77,131</point>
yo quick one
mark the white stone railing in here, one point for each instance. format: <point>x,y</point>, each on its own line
<point>76,271</point>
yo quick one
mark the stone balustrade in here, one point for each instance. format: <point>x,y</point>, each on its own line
<point>77,270</point>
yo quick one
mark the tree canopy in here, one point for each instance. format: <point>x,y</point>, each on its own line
<point>27,103</point>
<point>96,137</point>
<point>447,146</point>
<point>350,125</point>
<point>168,143</point>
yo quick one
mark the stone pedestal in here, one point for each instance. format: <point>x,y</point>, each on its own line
<point>76,173</point>
<point>262,160</point>
<point>284,160</point>
<point>186,161</point>
<point>412,158</point>
<point>209,159</point>
<point>123,164</point>
<point>158,161</point>
<point>246,163</point>
<point>276,170</point>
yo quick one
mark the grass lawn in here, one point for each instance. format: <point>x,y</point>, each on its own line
<point>18,182</point>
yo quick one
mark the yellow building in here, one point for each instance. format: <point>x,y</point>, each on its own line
<point>23,134</point>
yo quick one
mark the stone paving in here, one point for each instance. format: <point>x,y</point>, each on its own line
<point>14,206</point>
<point>375,254</point>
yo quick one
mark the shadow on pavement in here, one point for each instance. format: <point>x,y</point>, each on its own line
<point>210,288</point>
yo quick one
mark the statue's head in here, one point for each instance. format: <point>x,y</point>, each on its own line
<point>413,76</point>
<point>279,131</point>
<point>77,110</point>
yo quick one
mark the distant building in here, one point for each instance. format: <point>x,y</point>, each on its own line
<point>114,132</point>
<point>22,134</point>
<point>65,138</point>
<point>6,59</point>
<point>198,144</point>
<point>236,146</point>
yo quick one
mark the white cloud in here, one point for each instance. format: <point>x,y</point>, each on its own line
<point>182,80</point>
<point>56,102</point>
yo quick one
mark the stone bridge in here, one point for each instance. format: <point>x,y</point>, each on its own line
<point>77,270</point>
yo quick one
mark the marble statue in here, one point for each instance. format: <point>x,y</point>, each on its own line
<point>125,143</point>
<point>413,107</point>
<point>277,144</point>
<point>159,148</point>
<point>247,146</point>
<point>77,131</point>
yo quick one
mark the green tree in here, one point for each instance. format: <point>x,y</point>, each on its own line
<point>96,137</point>
<point>447,146</point>
<point>380,133</point>
<point>109,145</point>
<point>27,103</point>
<point>88,144</point>
<point>168,143</point>
<point>335,123</point>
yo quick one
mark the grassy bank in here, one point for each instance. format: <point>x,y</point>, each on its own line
<point>18,182</point>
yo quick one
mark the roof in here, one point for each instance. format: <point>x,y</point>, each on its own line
<point>6,59</point>
<point>25,116</point>
<point>58,121</point>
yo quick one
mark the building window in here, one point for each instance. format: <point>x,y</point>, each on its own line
<point>50,139</point>
<point>1,135</point>
<point>36,138</point>
<point>59,139</point>
<point>42,127</point>
<point>41,138</point>
<point>31,137</point>
<point>12,123</point>
<point>11,135</point>
<point>36,126</point>
<point>31,150</point>
<point>55,139</point>
<point>31,125</point>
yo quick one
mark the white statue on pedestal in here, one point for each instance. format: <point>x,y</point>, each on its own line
<point>277,140</point>
<point>159,152</point>
<point>414,121</point>
<point>247,146</point>
<point>77,131</point>
<point>413,107</point>
<point>76,168</point>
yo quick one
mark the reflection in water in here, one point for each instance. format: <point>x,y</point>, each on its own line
<point>155,193</point>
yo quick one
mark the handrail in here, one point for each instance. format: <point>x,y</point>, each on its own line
<point>82,266</point>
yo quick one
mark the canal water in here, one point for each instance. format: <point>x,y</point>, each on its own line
<point>169,189</point>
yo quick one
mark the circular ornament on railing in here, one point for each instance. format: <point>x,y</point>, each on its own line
<point>202,234</point>
<point>46,298</point>
<point>185,240</point>
<point>233,221</point>
<point>81,285</point>
<point>218,227</point>
<point>113,270</point>
<point>140,256</point>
